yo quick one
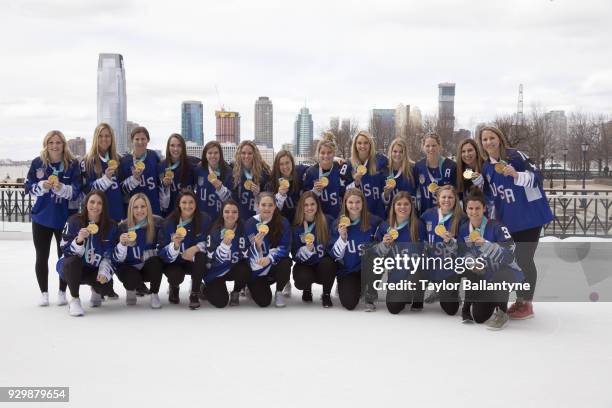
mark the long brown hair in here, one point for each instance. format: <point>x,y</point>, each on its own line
<point>222,163</point>
<point>407,163</point>
<point>414,220</point>
<point>131,220</point>
<point>460,165</point>
<point>276,173</point>
<point>184,163</point>
<point>321,227</point>
<point>92,160</point>
<point>457,211</point>
<point>355,161</point>
<point>220,222</point>
<point>503,143</point>
<point>365,215</point>
<point>67,157</point>
<point>259,166</point>
<point>175,215</point>
<point>105,221</point>
<point>275,224</point>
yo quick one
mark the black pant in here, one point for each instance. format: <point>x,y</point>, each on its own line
<point>42,244</point>
<point>526,245</point>
<point>323,273</point>
<point>77,273</point>
<point>176,271</point>
<point>131,277</point>
<point>484,302</point>
<point>397,300</point>
<point>449,299</point>
<point>260,287</point>
<point>349,289</point>
<point>216,290</point>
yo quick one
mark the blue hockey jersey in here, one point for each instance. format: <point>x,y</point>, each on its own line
<point>299,250</point>
<point>148,183</point>
<point>138,253</point>
<point>211,200</point>
<point>442,175</point>
<point>222,257</point>
<point>245,198</point>
<point>168,195</point>
<point>372,186</point>
<point>331,197</point>
<point>436,247</point>
<point>348,254</point>
<point>287,204</point>
<point>110,187</point>
<point>167,253</point>
<point>275,254</point>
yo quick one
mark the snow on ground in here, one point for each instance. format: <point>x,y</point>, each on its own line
<point>299,356</point>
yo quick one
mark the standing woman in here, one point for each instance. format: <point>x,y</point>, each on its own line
<point>520,204</point>
<point>182,246</point>
<point>139,170</point>
<point>367,170</point>
<point>212,179</point>
<point>135,256</point>
<point>54,179</point>
<point>403,228</point>
<point>175,173</point>
<point>286,183</point>
<point>270,236</point>
<point>250,176</point>
<point>87,245</point>
<point>328,179</point>
<point>353,230</point>
<point>101,168</point>
<point>469,167</point>
<point>400,172</point>
<point>442,225</point>
<point>432,172</point>
<point>226,244</point>
<point>309,241</point>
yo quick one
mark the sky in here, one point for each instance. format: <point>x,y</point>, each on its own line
<point>339,58</point>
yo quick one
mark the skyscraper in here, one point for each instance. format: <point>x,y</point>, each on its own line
<point>446,107</point>
<point>302,140</point>
<point>556,122</point>
<point>264,122</point>
<point>78,147</point>
<point>228,126</point>
<point>112,102</point>
<point>382,128</point>
<point>192,121</point>
<point>402,118</point>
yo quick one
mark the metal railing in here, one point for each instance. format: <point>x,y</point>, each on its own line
<point>15,203</point>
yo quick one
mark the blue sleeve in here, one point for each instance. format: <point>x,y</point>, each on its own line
<point>70,232</point>
<point>282,250</point>
<point>31,183</point>
<point>76,179</point>
<point>163,239</point>
<point>309,179</point>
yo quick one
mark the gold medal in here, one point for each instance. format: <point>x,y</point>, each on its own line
<point>169,174</point>
<point>344,220</point>
<point>391,183</point>
<point>248,184</point>
<point>393,233</point>
<point>500,167</point>
<point>468,174</point>
<point>362,170</point>
<point>139,165</point>
<point>112,164</point>
<point>263,228</point>
<point>283,183</point>
<point>474,235</point>
<point>212,176</point>
<point>229,234</point>
<point>309,238</point>
<point>440,229</point>
<point>92,228</point>
<point>181,231</point>
<point>432,187</point>
<point>132,236</point>
<point>324,181</point>
<point>53,180</point>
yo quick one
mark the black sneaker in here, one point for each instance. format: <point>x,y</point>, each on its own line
<point>466,313</point>
<point>194,301</point>
<point>142,290</point>
<point>326,300</point>
<point>173,296</point>
<point>202,294</point>
<point>416,307</point>
<point>113,295</point>
<point>307,295</point>
<point>234,298</point>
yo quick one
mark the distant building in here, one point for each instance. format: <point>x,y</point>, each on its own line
<point>229,151</point>
<point>192,121</point>
<point>556,122</point>
<point>267,154</point>
<point>78,147</point>
<point>402,119</point>
<point>290,147</point>
<point>194,150</point>
<point>303,133</point>
<point>416,119</point>
<point>228,126</point>
<point>130,126</point>
<point>111,99</point>
<point>264,123</point>
<point>446,107</point>
<point>382,128</point>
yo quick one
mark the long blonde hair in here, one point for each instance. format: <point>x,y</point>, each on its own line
<point>92,160</point>
<point>372,156</point>
<point>457,211</point>
<point>259,166</point>
<point>407,163</point>
<point>321,227</point>
<point>67,157</point>
<point>503,143</point>
<point>414,220</point>
<point>131,220</point>
<point>365,215</point>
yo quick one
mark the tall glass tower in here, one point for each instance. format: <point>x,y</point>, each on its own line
<point>192,118</point>
<point>263,122</point>
<point>303,133</point>
<point>112,102</point>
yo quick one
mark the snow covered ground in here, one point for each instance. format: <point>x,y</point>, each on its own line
<point>300,356</point>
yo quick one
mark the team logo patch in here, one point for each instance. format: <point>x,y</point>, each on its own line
<point>428,225</point>
<point>200,180</point>
<point>422,179</point>
<point>40,173</point>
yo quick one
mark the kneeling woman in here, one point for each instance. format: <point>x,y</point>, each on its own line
<point>227,244</point>
<point>490,241</point>
<point>350,233</point>
<point>182,247</point>
<point>135,255</point>
<point>404,234</point>
<point>270,236</point>
<point>308,243</point>
<point>87,247</point>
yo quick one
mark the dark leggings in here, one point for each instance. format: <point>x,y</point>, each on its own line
<point>322,273</point>
<point>526,244</point>
<point>131,277</point>
<point>216,290</point>
<point>483,303</point>
<point>42,244</point>
<point>397,300</point>
<point>77,273</point>
<point>449,299</point>
<point>260,287</point>
<point>349,289</point>
<point>176,271</point>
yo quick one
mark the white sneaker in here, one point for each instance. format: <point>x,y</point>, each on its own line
<point>155,302</point>
<point>130,297</point>
<point>287,290</point>
<point>95,300</point>
<point>75,308</point>
<point>370,307</point>
<point>61,298</point>
<point>279,299</point>
<point>44,299</point>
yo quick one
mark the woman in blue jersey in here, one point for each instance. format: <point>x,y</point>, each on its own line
<point>310,238</point>
<point>442,225</point>
<point>135,256</point>
<point>351,233</point>
<point>175,173</point>
<point>520,204</point>
<point>328,179</point>
<point>432,172</point>
<point>399,174</point>
<point>182,246</point>
<point>489,242</point>
<point>469,167</point>
<point>403,234</point>
<point>213,180</point>
<point>138,170</point>
<point>250,174</point>
<point>270,236</point>
<point>286,183</point>
<point>87,245</point>
<point>227,245</point>
<point>54,179</point>
<point>367,169</point>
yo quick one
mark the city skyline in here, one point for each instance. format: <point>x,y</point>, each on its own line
<point>558,50</point>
